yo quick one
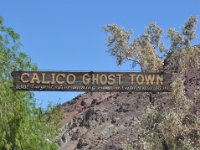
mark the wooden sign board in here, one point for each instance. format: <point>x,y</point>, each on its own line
<point>91,81</point>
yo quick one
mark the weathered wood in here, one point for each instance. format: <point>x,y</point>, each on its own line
<point>91,81</point>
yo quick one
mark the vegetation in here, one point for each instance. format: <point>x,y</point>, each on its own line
<point>22,124</point>
<point>148,50</point>
<point>176,127</point>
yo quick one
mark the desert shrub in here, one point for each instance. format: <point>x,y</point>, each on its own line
<point>176,127</point>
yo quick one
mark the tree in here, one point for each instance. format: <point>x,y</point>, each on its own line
<point>22,124</point>
<point>177,126</point>
<point>147,50</point>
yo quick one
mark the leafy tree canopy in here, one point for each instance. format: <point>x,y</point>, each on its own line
<point>22,124</point>
<point>147,49</point>
<point>177,126</point>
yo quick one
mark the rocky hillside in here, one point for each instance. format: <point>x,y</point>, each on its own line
<point>104,121</point>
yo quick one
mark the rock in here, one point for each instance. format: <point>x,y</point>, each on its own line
<point>103,121</point>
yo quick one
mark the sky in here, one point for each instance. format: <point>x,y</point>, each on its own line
<point>68,35</point>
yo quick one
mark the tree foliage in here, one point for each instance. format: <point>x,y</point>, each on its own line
<point>22,124</point>
<point>147,49</point>
<point>175,127</point>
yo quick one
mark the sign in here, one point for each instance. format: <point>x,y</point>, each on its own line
<point>91,81</point>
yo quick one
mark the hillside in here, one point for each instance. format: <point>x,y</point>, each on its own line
<point>104,121</point>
